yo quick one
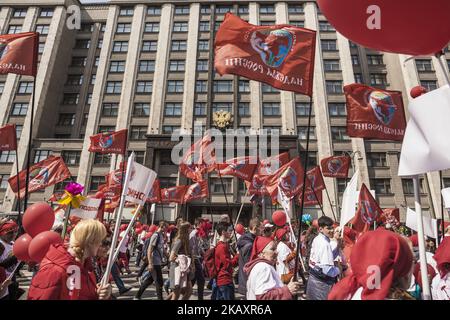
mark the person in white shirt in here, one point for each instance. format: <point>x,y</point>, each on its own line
<point>285,259</point>
<point>322,271</point>
<point>440,286</point>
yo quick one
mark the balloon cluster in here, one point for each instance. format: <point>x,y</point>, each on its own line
<point>34,244</point>
<point>307,219</point>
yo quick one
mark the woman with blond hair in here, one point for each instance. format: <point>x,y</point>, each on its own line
<point>65,272</point>
<point>181,264</point>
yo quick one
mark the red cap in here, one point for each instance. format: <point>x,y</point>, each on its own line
<point>442,256</point>
<point>8,227</point>
<point>259,245</point>
<point>123,227</point>
<point>239,229</point>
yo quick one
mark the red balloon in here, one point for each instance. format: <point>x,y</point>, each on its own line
<point>417,91</point>
<point>279,218</point>
<point>424,28</point>
<point>41,243</point>
<point>38,218</point>
<point>239,229</point>
<point>20,247</point>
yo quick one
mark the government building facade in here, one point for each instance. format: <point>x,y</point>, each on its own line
<point>148,66</point>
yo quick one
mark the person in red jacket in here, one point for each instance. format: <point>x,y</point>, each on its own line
<point>65,273</point>
<point>224,289</point>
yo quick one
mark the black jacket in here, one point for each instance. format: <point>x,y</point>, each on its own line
<point>244,245</point>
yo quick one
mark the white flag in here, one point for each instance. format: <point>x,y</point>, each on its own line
<point>286,204</point>
<point>141,183</point>
<point>349,200</point>
<point>429,224</point>
<point>426,146</point>
<point>88,209</point>
<point>446,196</point>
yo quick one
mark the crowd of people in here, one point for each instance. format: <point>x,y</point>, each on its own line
<point>258,261</point>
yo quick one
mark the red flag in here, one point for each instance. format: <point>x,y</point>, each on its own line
<point>257,186</point>
<point>391,216</point>
<point>155,193</point>
<point>173,194</point>
<point>289,178</point>
<point>315,180</point>
<point>109,142</point>
<point>199,159</point>
<point>8,139</point>
<point>56,197</point>
<point>368,211</point>
<point>19,53</point>
<point>374,113</point>
<point>310,198</point>
<point>110,191</point>
<point>112,205</point>
<point>43,174</point>
<point>269,165</point>
<point>196,191</point>
<point>279,55</point>
<point>335,167</point>
<point>241,167</point>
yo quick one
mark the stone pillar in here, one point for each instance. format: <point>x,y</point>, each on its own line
<point>5,15</point>
<point>255,86</point>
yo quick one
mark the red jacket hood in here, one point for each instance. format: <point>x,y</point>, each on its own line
<point>249,265</point>
<point>57,254</point>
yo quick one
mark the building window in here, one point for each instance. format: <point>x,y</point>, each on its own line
<point>169,130</point>
<point>201,86</point>
<point>13,29</point>
<point>221,86</point>
<point>19,109</point>
<point>71,98</point>
<point>375,59</point>
<point>244,86</point>
<point>120,46</point>
<point>149,46</point>
<point>202,65</point>
<point>154,11</point>
<point>302,109</point>
<point>75,80</point>
<point>66,119</point>
<point>173,110</point>
<point>19,128</point>
<point>328,45</point>
<point>381,186</point>
<point>376,159</point>
<point>117,67</point>
<point>89,99</point>
<point>138,132</point>
<point>269,89</point>
<point>298,23</point>
<point>144,87</point>
<point>266,9</point>
<point>25,87</point>
<point>100,44</point>
<point>341,184</point>
<point>20,13</point>
<point>378,79</point>
<point>243,9</point>
<point>46,13</point>
<point>271,109</point>
<point>102,159</point>
<point>71,158</point>
<point>87,27</point>
<point>223,9</point>
<point>7,156</point>
<point>222,106</point>
<point>151,27</point>
<point>358,77</point>
<point>180,27</point>
<point>424,65</point>
<point>165,157</point>
<point>147,66</point>
<point>141,110</point>
<point>218,187</point>
<point>179,45</point>
<point>325,26</point>
<point>446,182</point>
<point>175,86</point>
<point>40,155</point>
<point>2,87</point>
<point>78,62</point>
<point>97,61</point>
<point>244,109</point>
<point>110,110</point>
<point>123,28</point>
<point>267,23</point>
<point>203,45</point>
<point>82,44</point>
<point>182,10</point>
<point>126,12</point>
<point>339,134</point>
<point>430,85</point>
<point>200,109</point>
<point>41,48</point>
<point>93,78</point>
<point>4,181</point>
<point>139,156</point>
<point>272,129</point>
<point>114,87</point>
<point>106,129</point>
<point>332,65</point>
<point>204,26</point>
<point>352,45</point>
<point>303,131</point>
<point>177,65</point>
<point>355,60</point>
<point>334,86</point>
<point>295,8</point>
<point>205,9</point>
<point>408,186</point>
<point>42,29</point>
<point>96,181</point>
<point>337,109</point>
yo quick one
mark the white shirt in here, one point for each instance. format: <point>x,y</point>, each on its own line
<point>322,255</point>
<point>123,247</point>
<point>6,254</point>
<point>283,251</point>
<point>261,279</point>
<point>440,288</point>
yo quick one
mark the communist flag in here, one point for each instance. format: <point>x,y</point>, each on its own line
<point>241,167</point>
<point>280,55</point>
<point>289,178</point>
<point>19,53</point>
<point>374,113</point>
<point>43,174</point>
<point>269,165</point>
<point>311,199</point>
<point>368,211</point>
<point>257,186</point>
<point>110,191</point>
<point>8,139</point>
<point>196,191</point>
<point>155,193</point>
<point>335,167</point>
<point>314,180</point>
<point>109,142</point>
<point>199,159</point>
<point>173,194</point>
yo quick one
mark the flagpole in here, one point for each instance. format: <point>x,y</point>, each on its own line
<point>242,206</point>
<point>19,217</point>
<point>421,240</point>
<point>442,208</point>
<point>228,206</point>
<point>66,221</point>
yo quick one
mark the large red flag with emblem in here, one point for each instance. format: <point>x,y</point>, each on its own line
<point>199,159</point>
<point>173,194</point>
<point>289,178</point>
<point>391,216</point>
<point>314,180</point>
<point>196,191</point>
<point>257,186</point>
<point>279,55</point>
<point>374,113</point>
<point>368,211</point>
<point>269,165</point>
<point>241,167</point>
<point>155,193</point>
<point>109,142</point>
<point>42,174</point>
<point>8,139</point>
<point>110,191</point>
<point>311,199</point>
<point>19,53</point>
<point>335,166</point>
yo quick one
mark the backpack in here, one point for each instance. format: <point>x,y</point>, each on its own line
<point>209,263</point>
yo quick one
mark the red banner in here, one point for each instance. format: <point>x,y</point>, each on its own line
<point>289,178</point>
<point>155,193</point>
<point>19,53</point>
<point>109,142</point>
<point>110,191</point>
<point>315,180</point>
<point>269,165</point>
<point>336,167</point>
<point>310,198</point>
<point>374,113</point>
<point>173,194</point>
<point>8,139</point>
<point>43,174</point>
<point>391,216</point>
<point>199,159</point>
<point>368,211</point>
<point>196,191</point>
<point>279,55</point>
<point>257,186</point>
<point>241,167</point>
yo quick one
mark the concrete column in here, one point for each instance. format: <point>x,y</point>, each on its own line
<point>255,86</point>
<point>190,73</point>
<point>5,15</point>
<point>160,77</point>
<point>287,104</point>
<point>349,78</point>
<point>97,96</point>
<point>320,104</point>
